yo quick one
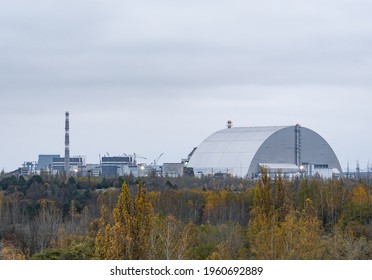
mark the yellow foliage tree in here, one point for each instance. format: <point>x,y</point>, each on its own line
<point>277,231</point>
<point>310,245</point>
<point>142,224</point>
<point>127,236</point>
<point>10,252</point>
<point>102,237</point>
<point>172,239</point>
<point>263,229</point>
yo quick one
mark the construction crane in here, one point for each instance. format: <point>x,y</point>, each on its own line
<point>135,156</point>
<point>156,160</point>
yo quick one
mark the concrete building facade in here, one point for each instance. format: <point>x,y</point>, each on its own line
<point>116,165</point>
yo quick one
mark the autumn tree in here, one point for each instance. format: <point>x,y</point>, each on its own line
<point>4,213</point>
<point>171,238</point>
<point>309,232</point>
<point>344,245</point>
<point>360,206</point>
<point>282,200</point>
<point>277,230</point>
<point>263,227</point>
<point>142,224</point>
<point>102,237</point>
<point>127,236</point>
<point>10,252</point>
<point>232,247</point>
<point>46,224</point>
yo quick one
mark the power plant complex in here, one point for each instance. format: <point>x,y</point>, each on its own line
<point>233,151</point>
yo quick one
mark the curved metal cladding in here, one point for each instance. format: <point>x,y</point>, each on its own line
<point>239,151</point>
<point>316,150</point>
<point>230,150</point>
<point>281,148</point>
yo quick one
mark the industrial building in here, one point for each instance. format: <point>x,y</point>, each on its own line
<point>28,168</point>
<point>173,169</point>
<point>116,165</point>
<point>76,164</point>
<point>92,170</point>
<point>45,162</point>
<point>242,151</point>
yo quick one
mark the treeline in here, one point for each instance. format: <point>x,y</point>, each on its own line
<point>46,217</point>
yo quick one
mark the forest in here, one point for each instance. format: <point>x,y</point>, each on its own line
<point>48,217</point>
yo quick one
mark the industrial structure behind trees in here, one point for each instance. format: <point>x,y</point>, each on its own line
<point>235,151</point>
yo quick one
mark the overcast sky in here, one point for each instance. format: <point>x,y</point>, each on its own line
<point>152,77</point>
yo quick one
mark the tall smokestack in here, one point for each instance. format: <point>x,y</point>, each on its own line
<point>67,144</point>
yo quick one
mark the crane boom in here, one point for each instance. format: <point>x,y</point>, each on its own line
<point>156,160</point>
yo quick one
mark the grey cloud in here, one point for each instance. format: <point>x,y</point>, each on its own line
<point>186,44</point>
<point>128,63</point>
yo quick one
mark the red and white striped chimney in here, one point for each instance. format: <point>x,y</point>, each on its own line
<point>67,144</point>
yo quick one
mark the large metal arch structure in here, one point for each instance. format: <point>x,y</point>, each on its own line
<point>240,151</point>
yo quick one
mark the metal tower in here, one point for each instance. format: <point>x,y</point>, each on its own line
<point>67,144</point>
<point>298,145</point>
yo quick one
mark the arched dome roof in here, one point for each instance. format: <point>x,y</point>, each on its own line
<point>240,150</point>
